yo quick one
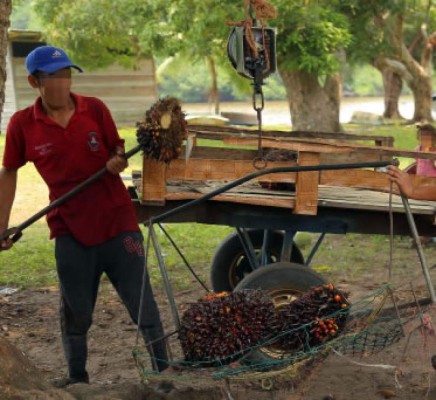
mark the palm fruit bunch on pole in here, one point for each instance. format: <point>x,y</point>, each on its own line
<point>220,328</point>
<point>163,130</point>
<point>312,319</point>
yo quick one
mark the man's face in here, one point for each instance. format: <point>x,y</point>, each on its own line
<point>55,87</point>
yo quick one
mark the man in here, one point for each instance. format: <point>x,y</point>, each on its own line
<point>407,186</point>
<point>69,137</point>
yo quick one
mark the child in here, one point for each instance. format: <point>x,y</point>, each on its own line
<point>427,137</point>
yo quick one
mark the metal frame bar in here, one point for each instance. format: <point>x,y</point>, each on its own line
<point>421,255</point>
<point>315,248</point>
<point>264,256</point>
<point>248,247</point>
<point>165,278</point>
<point>288,244</point>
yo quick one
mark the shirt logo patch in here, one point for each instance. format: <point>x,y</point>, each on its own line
<point>93,142</point>
<point>44,149</point>
<point>133,246</point>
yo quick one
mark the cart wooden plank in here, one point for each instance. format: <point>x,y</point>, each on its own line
<point>307,185</point>
<point>209,132</point>
<point>328,196</point>
<point>322,146</point>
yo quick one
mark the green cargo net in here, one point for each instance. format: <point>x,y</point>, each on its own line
<point>367,326</point>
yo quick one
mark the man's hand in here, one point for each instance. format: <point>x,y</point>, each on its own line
<point>5,244</point>
<point>117,163</point>
<point>402,179</point>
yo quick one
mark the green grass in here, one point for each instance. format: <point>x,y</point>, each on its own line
<point>197,242</point>
<point>404,136</point>
<point>31,261</point>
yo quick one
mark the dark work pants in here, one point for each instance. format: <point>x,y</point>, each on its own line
<point>80,269</point>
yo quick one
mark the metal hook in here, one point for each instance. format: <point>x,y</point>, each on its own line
<point>260,163</point>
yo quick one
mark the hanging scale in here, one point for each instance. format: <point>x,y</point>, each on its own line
<point>251,49</point>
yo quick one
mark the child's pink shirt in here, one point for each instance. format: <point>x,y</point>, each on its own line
<point>425,167</point>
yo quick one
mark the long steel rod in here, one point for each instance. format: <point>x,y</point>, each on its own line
<point>419,249</point>
<point>315,249</point>
<point>16,232</point>
<point>248,247</point>
<point>165,277</point>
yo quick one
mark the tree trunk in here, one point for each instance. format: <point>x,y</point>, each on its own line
<point>214,95</point>
<point>5,12</point>
<point>393,84</point>
<point>421,87</point>
<point>416,74</point>
<point>313,107</point>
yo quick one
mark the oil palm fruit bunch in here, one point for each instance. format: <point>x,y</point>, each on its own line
<point>314,318</point>
<point>220,328</point>
<point>163,130</point>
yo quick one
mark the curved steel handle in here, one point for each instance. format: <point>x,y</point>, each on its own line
<point>12,233</point>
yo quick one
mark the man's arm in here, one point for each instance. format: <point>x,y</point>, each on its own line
<point>8,185</point>
<point>408,188</point>
<point>424,193</point>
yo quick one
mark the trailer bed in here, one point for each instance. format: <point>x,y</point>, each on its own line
<point>330,201</point>
<point>339,210</point>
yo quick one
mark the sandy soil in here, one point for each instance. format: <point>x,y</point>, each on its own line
<point>29,320</point>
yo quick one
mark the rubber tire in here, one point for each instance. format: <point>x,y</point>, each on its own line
<point>230,252</point>
<point>278,278</point>
<point>293,277</point>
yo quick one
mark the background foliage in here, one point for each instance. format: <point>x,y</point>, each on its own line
<point>312,30</point>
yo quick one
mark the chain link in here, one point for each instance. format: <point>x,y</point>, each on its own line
<point>258,105</point>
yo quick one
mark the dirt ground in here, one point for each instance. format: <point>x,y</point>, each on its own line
<point>29,320</point>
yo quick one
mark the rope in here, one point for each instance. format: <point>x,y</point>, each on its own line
<point>397,370</point>
<point>391,233</point>
<point>263,11</point>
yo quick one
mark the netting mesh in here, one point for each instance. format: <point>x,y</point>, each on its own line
<point>373,323</point>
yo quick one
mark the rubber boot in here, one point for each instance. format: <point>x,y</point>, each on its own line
<point>76,353</point>
<point>158,354</point>
<point>157,349</point>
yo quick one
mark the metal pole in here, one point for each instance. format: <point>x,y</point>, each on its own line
<point>248,247</point>
<point>265,253</point>
<point>16,232</point>
<point>315,249</point>
<point>165,278</point>
<point>415,235</point>
<point>288,244</point>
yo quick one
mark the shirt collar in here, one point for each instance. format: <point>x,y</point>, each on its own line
<point>81,106</point>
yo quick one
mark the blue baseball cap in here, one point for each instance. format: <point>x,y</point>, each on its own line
<point>48,59</point>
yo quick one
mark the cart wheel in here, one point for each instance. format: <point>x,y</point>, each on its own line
<point>230,263</point>
<point>284,282</point>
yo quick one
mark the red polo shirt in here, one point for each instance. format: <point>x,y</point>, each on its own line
<point>65,157</point>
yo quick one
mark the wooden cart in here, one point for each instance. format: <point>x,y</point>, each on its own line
<point>271,208</point>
